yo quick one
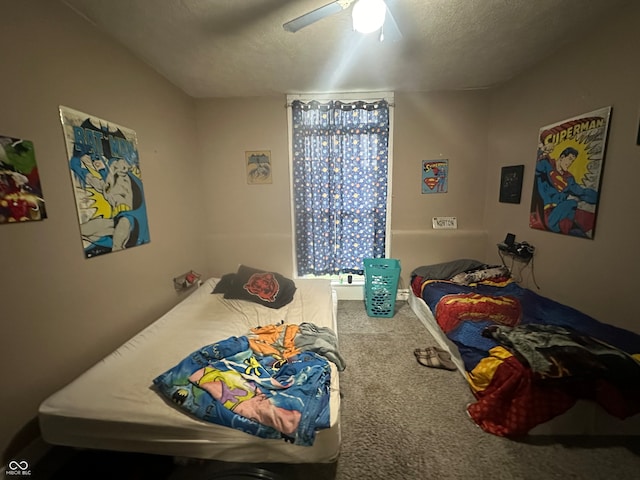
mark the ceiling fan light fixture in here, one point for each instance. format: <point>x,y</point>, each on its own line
<point>368,15</point>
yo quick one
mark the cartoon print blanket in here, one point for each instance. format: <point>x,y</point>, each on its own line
<point>512,397</point>
<point>230,384</point>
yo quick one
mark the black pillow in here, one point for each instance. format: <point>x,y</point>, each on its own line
<point>269,289</point>
<point>224,283</point>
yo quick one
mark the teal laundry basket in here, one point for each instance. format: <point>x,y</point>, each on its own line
<point>381,276</point>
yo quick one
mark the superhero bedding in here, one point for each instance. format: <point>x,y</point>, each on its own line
<point>270,384</point>
<point>225,357</point>
<point>527,358</point>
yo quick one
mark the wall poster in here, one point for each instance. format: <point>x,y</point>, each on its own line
<point>511,184</point>
<point>568,174</point>
<point>258,167</point>
<point>107,183</point>
<point>21,197</point>
<point>435,175</point>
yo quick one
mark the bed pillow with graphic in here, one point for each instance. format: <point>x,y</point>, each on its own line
<point>269,289</point>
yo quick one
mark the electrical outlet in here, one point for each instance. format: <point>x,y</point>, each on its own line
<point>402,294</point>
<point>445,222</point>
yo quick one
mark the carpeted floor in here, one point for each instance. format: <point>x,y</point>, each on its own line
<point>400,420</point>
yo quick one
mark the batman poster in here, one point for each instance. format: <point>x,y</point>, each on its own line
<point>107,183</point>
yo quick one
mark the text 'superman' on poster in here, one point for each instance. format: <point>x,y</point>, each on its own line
<point>435,175</point>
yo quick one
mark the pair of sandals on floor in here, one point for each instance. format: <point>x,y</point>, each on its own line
<point>435,357</point>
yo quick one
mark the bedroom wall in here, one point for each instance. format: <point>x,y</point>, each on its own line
<point>61,313</point>
<point>252,224</point>
<point>433,126</point>
<point>599,69</point>
<point>249,224</point>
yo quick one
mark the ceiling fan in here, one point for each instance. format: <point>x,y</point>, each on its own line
<point>368,16</point>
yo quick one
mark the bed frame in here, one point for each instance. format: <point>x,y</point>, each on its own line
<point>112,406</point>
<point>584,418</point>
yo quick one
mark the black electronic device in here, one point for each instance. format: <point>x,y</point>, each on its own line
<point>510,239</point>
<point>524,250</point>
<point>508,243</point>
<point>521,250</point>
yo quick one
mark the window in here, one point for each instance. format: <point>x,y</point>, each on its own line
<point>340,182</point>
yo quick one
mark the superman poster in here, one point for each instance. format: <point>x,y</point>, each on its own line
<point>568,172</point>
<point>434,176</point>
<point>107,183</point>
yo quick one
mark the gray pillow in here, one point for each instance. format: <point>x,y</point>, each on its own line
<point>446,270</point>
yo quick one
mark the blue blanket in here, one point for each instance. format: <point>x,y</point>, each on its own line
<point>510,305</point>
<point>228,384</point>
<point>529,358</point>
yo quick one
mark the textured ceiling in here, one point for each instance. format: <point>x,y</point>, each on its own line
<point>223,48</point>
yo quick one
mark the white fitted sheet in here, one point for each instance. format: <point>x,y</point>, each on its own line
<point>112,406</point>
<point>584,418</point>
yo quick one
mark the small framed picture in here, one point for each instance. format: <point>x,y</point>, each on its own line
<point>258,167</point>
<point>435,175</point>
<point>511,184</point>
<point>638,139</point>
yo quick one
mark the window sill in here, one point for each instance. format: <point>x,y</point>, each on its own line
<point>355,283</point>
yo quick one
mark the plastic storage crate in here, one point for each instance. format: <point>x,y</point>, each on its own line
<point>381,276</point>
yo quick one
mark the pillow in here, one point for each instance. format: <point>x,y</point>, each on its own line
<point>446,270</point>
<point>467,278</point>
<point>224,283</point>
<point>269,289</point>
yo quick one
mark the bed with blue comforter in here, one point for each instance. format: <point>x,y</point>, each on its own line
<point>527,357</point>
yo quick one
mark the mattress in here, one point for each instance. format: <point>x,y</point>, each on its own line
<point>112,406</point>
<point>584,418</point>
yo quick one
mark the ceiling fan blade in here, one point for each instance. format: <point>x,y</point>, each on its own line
<point>390,30</point>
<point>315,15</point>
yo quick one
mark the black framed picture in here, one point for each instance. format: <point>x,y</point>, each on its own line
<point>511,184</point>
<point>638,140</point>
